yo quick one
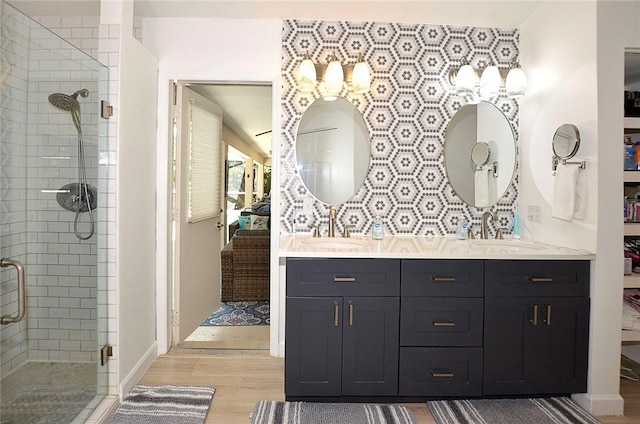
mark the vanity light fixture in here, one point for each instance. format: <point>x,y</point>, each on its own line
<point>516,83</point>
<point>330,78</point>
<point>361,77</point>
<point>333,78</point>
<point>490,81</point>
<point>466,83</point>
<point>465,78</point>
<point>306,75</point>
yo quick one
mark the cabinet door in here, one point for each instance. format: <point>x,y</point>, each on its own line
<point>563,336</point>
<point>535,346</point>
<point>370,346</point>
<point>313,346</point>
<point>509,354</point>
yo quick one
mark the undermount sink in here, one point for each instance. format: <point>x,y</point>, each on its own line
<point>343,243</point>
<point>511,244</point>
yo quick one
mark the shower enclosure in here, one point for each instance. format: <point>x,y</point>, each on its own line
<point>51,137</point>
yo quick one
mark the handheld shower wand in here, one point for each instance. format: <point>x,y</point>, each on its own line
<point>83,198</point>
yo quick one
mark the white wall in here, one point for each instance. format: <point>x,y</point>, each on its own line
<point>576,76</point>
<point>618,27</point>
<point>559,56</point>
<point>236,50</point>
<point>136,211</point>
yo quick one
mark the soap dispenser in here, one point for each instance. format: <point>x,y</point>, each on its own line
<point>377,231</point>
<point>463,229</point>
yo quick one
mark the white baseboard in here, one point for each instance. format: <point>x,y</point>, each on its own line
<point>600,405</point>
<point>139,370</point>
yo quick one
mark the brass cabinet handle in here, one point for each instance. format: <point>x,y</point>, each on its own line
<point>443,324</point>
<point>444,279</point>
<point>344,279</point>
<point>541,279</point>
<point>336,314</point>
<point>350,313</point>
<point>436,374</point>
<point>548,315</point>
<point>534,320</point>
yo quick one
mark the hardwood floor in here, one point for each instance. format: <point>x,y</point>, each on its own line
<point>242,378</point>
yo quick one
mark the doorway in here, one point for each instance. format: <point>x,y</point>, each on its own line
<point>236,323</point>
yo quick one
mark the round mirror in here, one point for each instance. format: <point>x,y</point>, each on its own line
<point>566,141</point>
<point>480,154</point>
<point>332,150</point>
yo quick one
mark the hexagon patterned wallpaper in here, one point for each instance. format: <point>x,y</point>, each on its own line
<point>407,112</point>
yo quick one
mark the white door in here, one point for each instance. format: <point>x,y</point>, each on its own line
<point>197,244</point>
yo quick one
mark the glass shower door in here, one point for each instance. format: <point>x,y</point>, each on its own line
<point>50,369</point>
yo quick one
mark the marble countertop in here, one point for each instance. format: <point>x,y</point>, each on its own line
<point>415,247</point>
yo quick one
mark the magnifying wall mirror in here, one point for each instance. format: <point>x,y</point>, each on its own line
<point>566,141</point>
<point>333,150</point>
<point>480,154</point>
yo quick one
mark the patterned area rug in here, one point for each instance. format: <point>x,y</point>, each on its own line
<point>164,405</point>
<point>271,412</point>
<point>558,410</point>
<point>240,313</point>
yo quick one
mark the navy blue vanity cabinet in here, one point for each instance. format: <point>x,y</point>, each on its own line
<point>536,327</point>
<point>441,328</point>
<point>341,330</point>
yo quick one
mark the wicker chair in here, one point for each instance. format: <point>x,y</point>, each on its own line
<point>245,266</point>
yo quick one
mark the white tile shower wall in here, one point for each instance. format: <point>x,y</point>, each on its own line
<point>407,111</point>
<point>63,270</point>
<point>13,167</point>
<point>80,31</point>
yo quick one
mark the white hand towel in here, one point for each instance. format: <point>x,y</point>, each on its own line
<point>564,193</point>
<point>481,187</point>
<point>581,196</point>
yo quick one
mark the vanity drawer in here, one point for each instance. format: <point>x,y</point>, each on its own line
<point>343,277</point>
<point>441,321</point>
<point>530,278</point>
<point>440,372</point>
<point>451,277</point>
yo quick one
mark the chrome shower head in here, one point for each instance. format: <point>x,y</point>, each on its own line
<point>64,101</point>
<point>67,102</point>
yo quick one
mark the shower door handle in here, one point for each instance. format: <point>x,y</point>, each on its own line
<point>22,294</point>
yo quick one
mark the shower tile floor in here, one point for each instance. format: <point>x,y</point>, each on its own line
<point>47,392</point>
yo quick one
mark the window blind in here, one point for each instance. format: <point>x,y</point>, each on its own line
<point>204,164</point>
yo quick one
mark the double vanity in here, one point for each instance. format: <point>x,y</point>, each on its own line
<point>409,318</point>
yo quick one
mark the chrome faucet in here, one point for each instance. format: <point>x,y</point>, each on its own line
<point>483,227</point>
<point>332,222</point>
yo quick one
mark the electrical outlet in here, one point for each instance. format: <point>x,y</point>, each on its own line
<point>307,206</point>
<point>533,213</point>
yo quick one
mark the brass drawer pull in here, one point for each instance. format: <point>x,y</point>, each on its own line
<point>541,279</point>
<point>548,317</point>
<point>444,279</point>
<point>443,324</point>
<point>344,279</point>
<point>435,374</point>
<point>534,311</point>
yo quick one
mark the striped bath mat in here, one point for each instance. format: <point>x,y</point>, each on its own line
<point>558,410</point>
<point>164,405</point>
<point>271,412</point>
